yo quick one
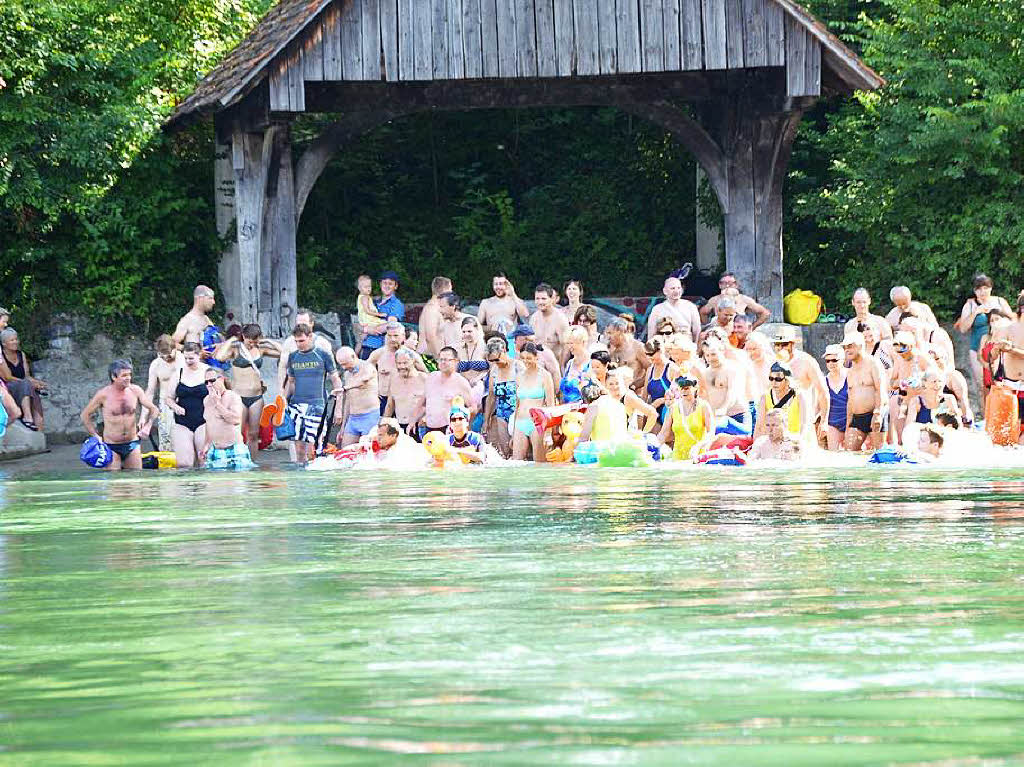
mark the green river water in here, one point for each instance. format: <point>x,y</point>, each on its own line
<point>525,616</point>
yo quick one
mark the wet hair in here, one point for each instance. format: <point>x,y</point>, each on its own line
<point>948,420</point>
<point>387,428</point>
<point>440,286</point>
<point>252,331</point>
<point>117,367</point>
<point>164,344</point>
<point>653,346</point>
<point>302,329</point>
<point>602,356</point>
<point>907,315</point>
<point>588,313</point>
<point>451,298</point>
<point>545,289</point>
<point>191,346</point>
<point>981,281</point>
<point>933,436</point>
<point>496,345</point>
<point>448,349</point>
<point>591,392</point>
<point>862,326</point>
<point>530,347</point>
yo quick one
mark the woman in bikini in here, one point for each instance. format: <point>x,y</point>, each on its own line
<point>534,388</point>
<point>246,358</point>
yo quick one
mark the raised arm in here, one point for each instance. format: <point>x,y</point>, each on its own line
<point>633,402</point>
<point>761,313</point>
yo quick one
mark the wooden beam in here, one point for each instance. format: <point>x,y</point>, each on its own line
<point>691,34</point>
<point>250,181</point>
<point>713,17</point>
<point>629,55</point>
<point>547,63</point>
<point>588,37</point>
<point>755,49</point>
<point>565,38</point>
<point>489,38</point>
<point>472,39</point>
<point>370,33</point>
<point>439,35</point>
<point>389,39</point>
<point>313,53</point>
<point>734,34</point>
<point>671,25</point>
<point>352,40</point>
<point>526,39</point>
<point>456,44</point>
<point>423,47</point>
<point>406,40</point>
<point>797,43</point>
<point>506,20</point>
<point>775,34</point>
<point>652,34</point>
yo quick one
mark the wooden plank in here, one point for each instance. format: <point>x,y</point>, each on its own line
<point>406,44</point>
<point>544,12</point>
<point>296,81</point>
<point>607,42</point>
<point>439,35</point>
<point>332,43</point>
<point>691,34</point>
<point>278,85</point>
<point>670,25</point>
<point>652,35</point>
<point>812,68</point>
<point>586,33</point>
<point>352,41</point>
<point>797,41</point>
<point>713,15</point>
<point>389,38</point>
<point>755,53</point>
<point>313,53</point>
<point>506,19</point>
<point>472,43</point>
<point>775,34</point>
<point>422,41</point>
<point>627,34</point>
<point>734,34</point>
<point>526,39</point>
<point>371,39</point>
<point>456,55</point>
<point>489,37</point>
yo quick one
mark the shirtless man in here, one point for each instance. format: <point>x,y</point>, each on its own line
<point>725,313</point>
<point>504,307</point>
<point>548,323</point>
<point>361,408</point>
<point>807,372</point>
<point>163,377</point>
<point>384,360</point>
<point>730,288</point>
<point>430,318</point>
<point>776,444</point>
<point>866,395</point>
<point>742,325</point>
<point>727,390</point>
<point>450,324</point>
<point>442,386</point>
<point>1010,341</point>
<point>861,303</point>
<point>192,326</point>
<point>627,351</point>
<point>901,298</point>
<point>224,412</point>
<point>684,315</point>
<point>523,335</point>
<point>118,402</point>
<point>406,391</point>
<point>908,365</point>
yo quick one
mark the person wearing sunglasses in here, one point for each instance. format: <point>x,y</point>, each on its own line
<point>806,374</point>
<point>909,364</point>
<point>791,402</point>
<point>835,380</point>
<point>223,411</point>
<point>689,420</point>
<point>468,444</point>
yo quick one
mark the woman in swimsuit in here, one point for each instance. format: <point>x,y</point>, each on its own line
<point>974,319</point>
<point>573,292</point>
<point>660,376</point>
<point>922,408</point>
<point>689,421</point>
<point>835,380</point>
<point>246,358</point>
<point>188,436</point>
<point>577,367</point>
<point>500,406</point>
<point>609,417</point>
<point>533,389</point>
<point>600,361</point>
<point>586,318</point>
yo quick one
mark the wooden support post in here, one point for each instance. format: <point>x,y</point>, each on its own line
<point>250,182</point>
<point>278,267</point>
<point>229,273</point>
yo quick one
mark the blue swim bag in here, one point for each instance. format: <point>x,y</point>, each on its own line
<point>96,453</point>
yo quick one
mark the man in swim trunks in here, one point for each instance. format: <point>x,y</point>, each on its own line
<point>684,315</point>
<point>901,298</point>
<point>777,443</point>
<point>193,325</point>
<point>1010,342</point>
<point>406,392</point>
<point>627,351</point>
<point>548,323</point>
<point>729,287</point>
<point>118,403</point>
<point>866,395</point>
<point>430,318</point>
<point>361,407</point>
<point>861,303</point>
<point>466,443</point>
<point>807,373</point>
<point>442,386</point>
<point>450,326</point>
<point>384,360</point>
<point>163,377</point>
<point>302,317</point>
<point>503,307</point>
<point>307,369</point>
<point>223,410</point>
<point>727,391</point>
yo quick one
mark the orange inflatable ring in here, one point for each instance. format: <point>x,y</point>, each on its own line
<point>1002,415</point>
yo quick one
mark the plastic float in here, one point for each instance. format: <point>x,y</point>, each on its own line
<point>636,452</point>
<point>570,424</point>
<point>726,450</point>
<point>545,418</point>
<point>1002,414</point>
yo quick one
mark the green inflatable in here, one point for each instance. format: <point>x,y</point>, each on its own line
<point>631,454</point>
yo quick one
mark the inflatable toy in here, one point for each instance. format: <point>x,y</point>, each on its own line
<point>723,456</point>
<point>617,454</point>
<point>585,452</point>
<point>571,424</point>
<point>96,453</point>
<point>545,418</point>
<point>1002,415</point>
<point>436,444</point>
<point>160,459</point>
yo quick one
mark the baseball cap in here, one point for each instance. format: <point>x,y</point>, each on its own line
<point>522,330</point>
<point>904,337</point>
<point>835,350</point>
<point>389,275</point>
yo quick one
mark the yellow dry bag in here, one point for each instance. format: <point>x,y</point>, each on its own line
<point>159,460</point>
<point>802,307</point>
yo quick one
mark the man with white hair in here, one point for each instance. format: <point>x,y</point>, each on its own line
<point>865,395</point>
<point>902,301</point>
<point>360,411</point>
<point>861,303</point>
<point>384,360</point>
<point>406,392</point>
<point>684,315</point>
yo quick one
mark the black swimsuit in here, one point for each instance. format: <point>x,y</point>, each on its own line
<point>191,399</point>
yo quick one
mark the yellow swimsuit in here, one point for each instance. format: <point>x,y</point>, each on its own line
<point>791,409</point>
<point>610,421</point>
<point>688,431</point>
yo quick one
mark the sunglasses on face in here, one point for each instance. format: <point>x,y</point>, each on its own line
<point>494,359</point>
<point>831,360</point>
<point>455,418</point>
<point>900,347</point>
<point>211,381</point>
<point>776,379</point>
<point>780,343</point>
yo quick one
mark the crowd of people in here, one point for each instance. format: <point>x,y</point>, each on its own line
<point>498,382</point>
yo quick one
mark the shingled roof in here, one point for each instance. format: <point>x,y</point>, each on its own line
<point>246,65</point>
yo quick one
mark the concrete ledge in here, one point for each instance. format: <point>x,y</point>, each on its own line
<point>19,442</point>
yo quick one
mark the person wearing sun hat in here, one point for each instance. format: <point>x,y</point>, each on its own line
<point>866,395</point>
<point>909,364</point>
<point>806,371</point>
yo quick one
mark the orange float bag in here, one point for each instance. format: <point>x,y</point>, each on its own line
<point>1002,415</point>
